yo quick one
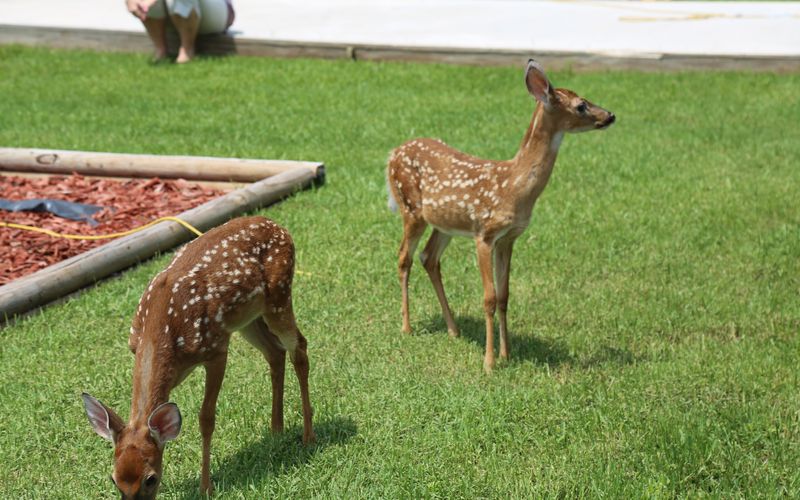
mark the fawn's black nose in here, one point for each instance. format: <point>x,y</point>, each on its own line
<point>611,119</point>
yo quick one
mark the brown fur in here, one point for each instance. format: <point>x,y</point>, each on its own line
<point>488,200</point>
<point>236,276</point>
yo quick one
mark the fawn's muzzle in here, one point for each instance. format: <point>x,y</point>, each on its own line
<point>608,121</point>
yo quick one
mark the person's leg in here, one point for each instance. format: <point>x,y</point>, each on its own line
<point>156,25</point>
<point>185,16</point>
<point>187,31</point>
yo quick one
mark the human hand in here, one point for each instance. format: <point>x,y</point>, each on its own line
<point>139,8</point>
<point>136,8</point>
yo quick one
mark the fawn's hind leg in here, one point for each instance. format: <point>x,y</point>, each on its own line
<point>282,323</point>
<point>412,232</point>
<point>259,335</point>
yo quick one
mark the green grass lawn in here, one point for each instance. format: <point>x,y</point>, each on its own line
<point>654,306</point>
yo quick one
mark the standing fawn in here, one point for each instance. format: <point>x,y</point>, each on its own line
<point>487,200</point>
<point>235,277</point>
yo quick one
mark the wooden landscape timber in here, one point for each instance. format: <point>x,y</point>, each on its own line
<point>195,168</point>
<point>277,180</point>
<point>107,40</point>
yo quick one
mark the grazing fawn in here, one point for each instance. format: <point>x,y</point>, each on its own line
<point>489,201</point>
<point>235,277</point>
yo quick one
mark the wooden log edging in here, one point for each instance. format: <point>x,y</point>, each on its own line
<point>67,276</point>
<point>196,168</point>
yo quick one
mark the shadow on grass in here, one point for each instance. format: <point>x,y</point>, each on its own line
<point>530,347</point>
<point>272,455</point>
<point>609,355</point>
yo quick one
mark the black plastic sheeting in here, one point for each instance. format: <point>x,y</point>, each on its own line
<point>66,209</point>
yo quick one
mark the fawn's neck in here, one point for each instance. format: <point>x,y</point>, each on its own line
<point>152,377</point>
<point>534,161</point>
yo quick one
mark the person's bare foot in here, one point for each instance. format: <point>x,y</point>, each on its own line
<point>184,56</point>
<point>159,55</point>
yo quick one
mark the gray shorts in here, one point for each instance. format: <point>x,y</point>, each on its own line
<point>215,15</point>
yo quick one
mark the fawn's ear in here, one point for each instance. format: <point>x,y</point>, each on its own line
<point>538,84</point>
<point>104,421</point>
<point>165,423</point>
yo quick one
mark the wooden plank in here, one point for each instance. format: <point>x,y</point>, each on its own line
<point>224,44</point>
<point>222,186</point>
<point>137,165</point>
<point>67,38</point>
<point>55,281</point>
<point>576,61</point>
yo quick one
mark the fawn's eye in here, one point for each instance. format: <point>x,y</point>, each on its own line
<point>581,108</point>
<point>150,481</point>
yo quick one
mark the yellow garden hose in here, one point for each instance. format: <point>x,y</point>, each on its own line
<point>101,236</point>
<point>109,236</point>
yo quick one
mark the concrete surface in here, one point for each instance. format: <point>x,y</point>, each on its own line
<point>615,28</point>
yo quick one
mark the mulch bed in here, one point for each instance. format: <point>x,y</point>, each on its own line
<point>127,205</point>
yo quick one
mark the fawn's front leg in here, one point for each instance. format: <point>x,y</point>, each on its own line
<point>489,299</point>
<point>215,372</point>
<point>502,260</point>
<point>431,261</point>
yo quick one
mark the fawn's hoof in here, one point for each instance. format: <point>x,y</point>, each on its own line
<point>454,333</point>
<point>207,489</point>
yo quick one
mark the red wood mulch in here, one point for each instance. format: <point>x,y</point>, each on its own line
<point>128,204</point>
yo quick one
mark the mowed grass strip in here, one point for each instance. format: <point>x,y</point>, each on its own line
<point>654,299</point>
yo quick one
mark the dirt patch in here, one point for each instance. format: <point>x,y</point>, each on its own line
<point>127,204</point>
